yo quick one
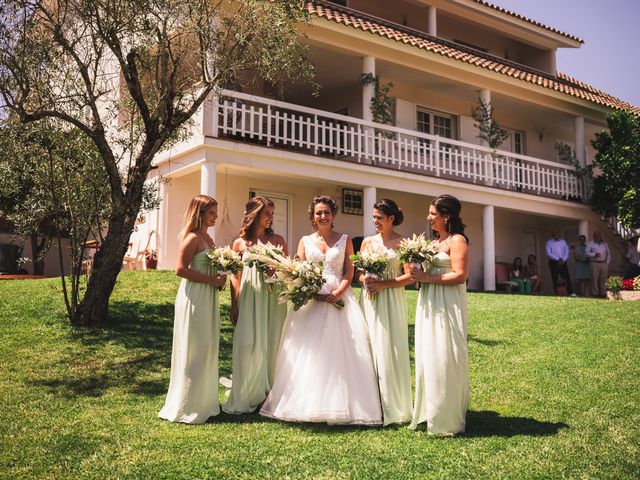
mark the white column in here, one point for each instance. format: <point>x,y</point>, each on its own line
<point>489,241</point>
<point>578,137</point>
<point>433,21</point>
<point>208,184</point>
<point>369,90</point>
<point>368,201</point>
<point>583,228</point>
<point>161,224</point>
<point>208,178</point>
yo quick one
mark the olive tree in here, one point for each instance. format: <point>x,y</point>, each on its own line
<point>129,75</point>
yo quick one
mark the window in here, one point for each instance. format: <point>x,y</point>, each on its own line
<point>352,201</point>
<point>514,142</point>
<point>435,123</point>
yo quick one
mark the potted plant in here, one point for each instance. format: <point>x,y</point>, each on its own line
<point>151,259</point>
<point>620,289</point>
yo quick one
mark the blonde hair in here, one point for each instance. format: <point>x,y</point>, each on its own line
<point>193,217</point>
<point>251,213</point>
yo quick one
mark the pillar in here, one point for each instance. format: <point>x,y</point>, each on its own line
<point>208,183</point>
<point>433,22</point>
<point>489,242</point>
<point>368,201</point>
<point>369,90</point>
<point>161,223</point>
<point>578,136</point>
<point>583,228</point>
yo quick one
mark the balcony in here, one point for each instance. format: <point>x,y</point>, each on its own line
<point>262,121</point>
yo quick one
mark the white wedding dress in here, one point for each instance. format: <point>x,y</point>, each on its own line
<point>324,368</point>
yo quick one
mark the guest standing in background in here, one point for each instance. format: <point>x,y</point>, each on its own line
<point>583,269</point>
<point>558,253</point>
<point>600,256</point>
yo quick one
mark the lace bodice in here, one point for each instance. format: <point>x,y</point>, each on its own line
<point>333,260</point>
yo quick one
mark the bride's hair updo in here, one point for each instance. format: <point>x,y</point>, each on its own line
<point>449,207</point>
<point>389,208</point>
<point>327,200</point>
<point>251,214</point>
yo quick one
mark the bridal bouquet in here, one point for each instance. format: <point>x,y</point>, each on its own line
<point>294,280</point>
<point>373,261</point>
<point>416,251</point>
<point>224,260</point>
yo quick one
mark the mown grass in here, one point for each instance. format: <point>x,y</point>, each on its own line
<point>554,394</point>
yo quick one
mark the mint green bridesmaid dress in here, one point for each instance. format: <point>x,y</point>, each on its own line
<point>193,387</point>
<point>442,365</point>
<point>386,317</point>
<point>255,343</point>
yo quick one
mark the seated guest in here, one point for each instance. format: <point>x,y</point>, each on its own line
<point>518,274</point>
<point>533,274</point>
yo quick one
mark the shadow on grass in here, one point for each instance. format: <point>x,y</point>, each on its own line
<point>484,341</point>
<point>486,423</point>
<point>145,330</point>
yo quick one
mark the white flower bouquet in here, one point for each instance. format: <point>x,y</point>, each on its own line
<point>256,254</point>
<point>416,251</point>
<point>372,261</point>
<point>295,280</point>
<point>224,260</point>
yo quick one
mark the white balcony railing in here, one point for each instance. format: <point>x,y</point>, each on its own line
<point>283,125</point>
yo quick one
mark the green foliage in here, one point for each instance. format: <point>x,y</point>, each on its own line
<point>617,189</point>
<point>614,284</point>
<point>489,131</point>
<point>381,103</point>
<point>554,387</point>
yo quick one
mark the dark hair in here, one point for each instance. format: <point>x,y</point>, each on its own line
<point>449,206</point>
<point>389,208</point>
<point>251,213</point>
<point>531,255</point>
<point>327,200</point>
<point>514,266</point>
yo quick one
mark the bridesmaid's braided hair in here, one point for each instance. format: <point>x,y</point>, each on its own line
<point>449,207</point>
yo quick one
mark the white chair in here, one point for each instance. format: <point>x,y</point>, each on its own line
<point>133,257</point>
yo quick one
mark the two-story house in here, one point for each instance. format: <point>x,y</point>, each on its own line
<point>441,56</point>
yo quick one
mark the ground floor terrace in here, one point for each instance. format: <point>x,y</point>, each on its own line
<point>501,223</point>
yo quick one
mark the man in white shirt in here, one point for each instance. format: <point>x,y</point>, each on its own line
<point>599,258</point>
<point>558,253</point>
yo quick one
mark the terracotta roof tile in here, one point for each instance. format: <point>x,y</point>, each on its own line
<point>528,20</point>
<point>561,83</point>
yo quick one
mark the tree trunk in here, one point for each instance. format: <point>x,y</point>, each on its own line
<point>36,253</point>
<point>107,263</point>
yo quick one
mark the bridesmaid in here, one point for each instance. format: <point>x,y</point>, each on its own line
<point>386,316</point>
<point>256,314</point>
<point>193,387</point>
<point>442,365</point>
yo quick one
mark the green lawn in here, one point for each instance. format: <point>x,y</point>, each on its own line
<point>554,394</point>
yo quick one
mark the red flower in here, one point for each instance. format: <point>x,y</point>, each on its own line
<point>627,284</point>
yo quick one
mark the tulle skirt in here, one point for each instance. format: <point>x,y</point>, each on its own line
<point>324,368</point>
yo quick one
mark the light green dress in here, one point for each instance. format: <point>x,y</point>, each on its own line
<point>442,365</point>
<point>255,343</point>
<point>193,387</point>
<point>386,317</point>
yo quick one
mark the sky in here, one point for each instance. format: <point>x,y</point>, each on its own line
<point>609,59</point>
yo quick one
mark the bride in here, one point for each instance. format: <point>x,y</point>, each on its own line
<point>324,369</point>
